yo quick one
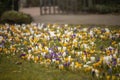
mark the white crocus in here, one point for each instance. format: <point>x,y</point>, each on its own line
<point>92,43</point>
<point>79,53</point>
<point>117,35</point>
<point>52,34</point>
<point>70,33</point>
<point>49,51</point>
<point>107,30</point>
<point>29,51</point>
<point>58,34</point>
<point>61,66</point>
<point>91,33</point>
<point>32,57</point>
<point>85,29</point>
<point>58,31</point>
<point>40,46</point>
<point>53,60</point>
<point>85,66</point>
<point>110,47</point>
<point>59,48</point>
<point>33,49</point>
<point>66,32</point>
<point>84,58</point>
<point>24,28</point>
<point>46,48</point>
<point>64,48</point>
<point>107,59</point>
<point>96,73</point>
<point>74,41</point>
<point>116,51</point>
<point>1,38</point>
<point>45,29</point>
<point>89,62</point>
<point>118,60</point>
<point>85,46</point>
<point>92,59</point>
<point>29,56</point>
<point>114,55</point>
<point>64,54</point>
<point>36,48</point>
<point>67,39</point>
<point>43,54</point>
<point>69,58</point>
<point>72,65</point>
<point>66,25</point>
<point>119,43</point>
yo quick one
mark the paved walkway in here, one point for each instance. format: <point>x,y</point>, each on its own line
<point>73,19</point>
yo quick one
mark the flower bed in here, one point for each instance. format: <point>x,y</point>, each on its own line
<point>93,50</point>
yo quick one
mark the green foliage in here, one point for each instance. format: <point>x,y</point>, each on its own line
<point>14,17</point>
<point>102,6</point>
<point>104,9</point>
<point>6,5</point>
<point>76,6</point>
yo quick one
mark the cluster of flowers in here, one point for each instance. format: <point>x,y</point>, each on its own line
<point>95,50</point>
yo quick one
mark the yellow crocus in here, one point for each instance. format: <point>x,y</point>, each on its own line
<point>61,67</point>
<point>113,77</point>
<point>36,59</point>
<point>57,62</point>
<point>48,60</point>
<point>0,49</point>
<point>108,77</point>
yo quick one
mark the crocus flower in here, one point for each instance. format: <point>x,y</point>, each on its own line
<point>1,38</point>
<point>92,59</point>
<point>22,55</point>
<point>61,67</point>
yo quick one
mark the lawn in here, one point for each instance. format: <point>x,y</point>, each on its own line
<point>59,52</point>
<point>10,70</point>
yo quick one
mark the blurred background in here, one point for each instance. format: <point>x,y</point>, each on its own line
<point>73,6</point>
<point>63,6</point>
<point>37,8</point>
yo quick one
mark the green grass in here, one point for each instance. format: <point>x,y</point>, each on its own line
<point>9,70</point>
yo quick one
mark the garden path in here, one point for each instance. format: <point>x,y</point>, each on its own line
<point>107,19</point>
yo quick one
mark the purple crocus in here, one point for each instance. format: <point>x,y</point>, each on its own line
<point>2,44</point>
<point>117,74</point>
<point>36,44</point>
<point>5,37</point>
<point>114,61</point>
<point>66,64</point>
<point>48,56</point>
<point>98,59</point>
<point>103,30</point>
<point>59,39</point>
<point>29,48</point>
<point>113,38</point>
<point>53,55</point>
<point>57,59</point>
<point>59,54</point>
<point>74,35</point>
<point>22,55</point>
